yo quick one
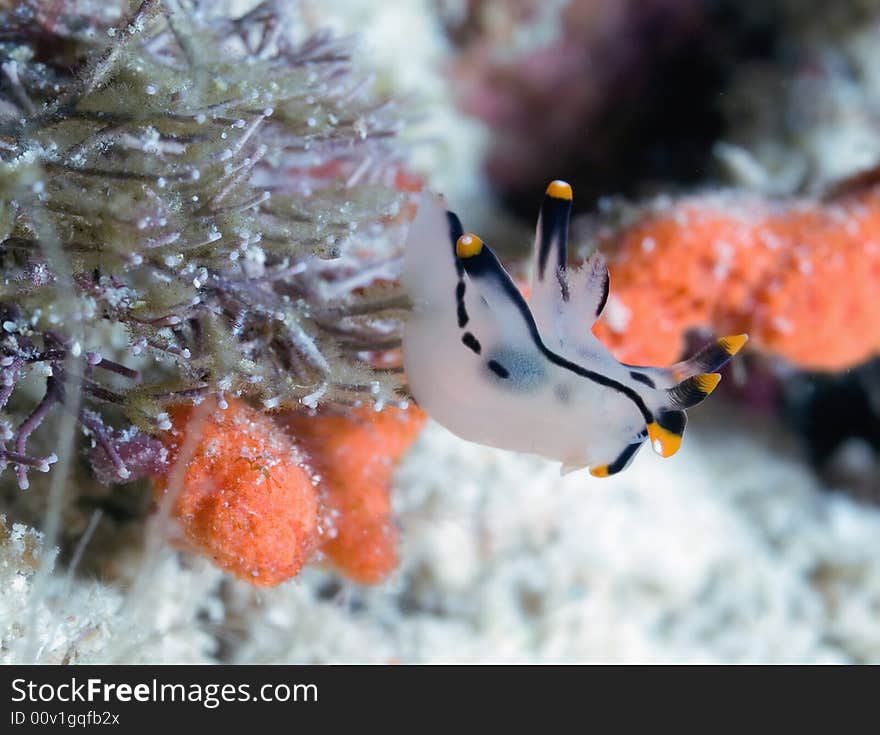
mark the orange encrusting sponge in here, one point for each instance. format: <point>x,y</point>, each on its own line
<point>355,455</point>
<point>260,496</point>
<point>800,276</point>
<point>245,499</point>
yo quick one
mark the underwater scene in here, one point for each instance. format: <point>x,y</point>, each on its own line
<point>439,331</point>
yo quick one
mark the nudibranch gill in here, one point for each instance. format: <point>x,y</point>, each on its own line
<point>528,374</point>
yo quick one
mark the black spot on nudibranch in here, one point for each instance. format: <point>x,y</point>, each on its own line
<point>522,371</point>
<point>459,300</point>
<point>562,393</point>
<point>455,232</point>
<point>471,342</point>
<point>642,378</point>
<point>497,368</point>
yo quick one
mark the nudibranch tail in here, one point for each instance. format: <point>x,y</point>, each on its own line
<point>528,374</point>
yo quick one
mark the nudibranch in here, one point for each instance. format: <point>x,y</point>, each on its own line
<point>529,375</point>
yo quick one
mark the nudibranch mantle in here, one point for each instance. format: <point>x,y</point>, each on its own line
<point>529,375</point>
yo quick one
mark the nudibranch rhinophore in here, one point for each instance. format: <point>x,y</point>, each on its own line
<point>528,375</point>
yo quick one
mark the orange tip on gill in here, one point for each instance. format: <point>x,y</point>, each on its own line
<point>707,382</point>
<point>733,344</point>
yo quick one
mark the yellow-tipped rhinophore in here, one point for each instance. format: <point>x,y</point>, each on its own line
<point>733,344</point>
<point>559,190</point>
<point>468,245</point>
<point>599,470</point>
<point>664,442</point>
<point>707,382</point>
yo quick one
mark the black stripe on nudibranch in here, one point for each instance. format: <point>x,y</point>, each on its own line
<point>694,390</point>
<point>471,342</point>
<point>461,309</point>
<point>711,358</point>
<point>642,378</point>
<point>624,458</point>
<point>456,231</point>
<point>604,298</point>
<point>485,264</point>
<point>497,368</point>
<point>553,235</point>
<point>715,355</point>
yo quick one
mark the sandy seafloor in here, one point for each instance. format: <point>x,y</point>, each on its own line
<point>729,552</point>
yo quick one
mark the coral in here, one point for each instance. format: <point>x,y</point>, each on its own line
<point>240,492</point>
<point>800,275</point>
<point>354,456</point>
<point>190,204</point>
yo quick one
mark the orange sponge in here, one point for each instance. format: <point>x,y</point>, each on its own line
<point>245,499</point>
<point>800,276</point>
<point>355,455</point>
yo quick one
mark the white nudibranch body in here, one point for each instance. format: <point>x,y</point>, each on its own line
<point>529,375</point>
